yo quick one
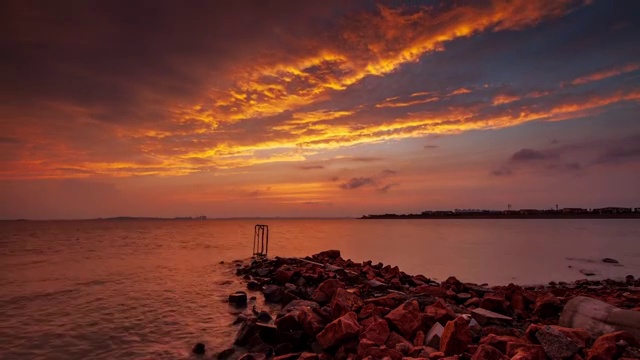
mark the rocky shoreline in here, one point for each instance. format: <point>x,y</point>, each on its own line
<point>338,309</point>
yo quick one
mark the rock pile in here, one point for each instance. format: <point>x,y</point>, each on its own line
<point>338,309</point>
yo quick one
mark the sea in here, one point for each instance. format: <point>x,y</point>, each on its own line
<point>151,289</point>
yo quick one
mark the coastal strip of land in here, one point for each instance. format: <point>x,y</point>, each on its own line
<point>332,308</point>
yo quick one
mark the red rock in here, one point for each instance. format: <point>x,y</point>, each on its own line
<point>289,322</point>
<point>325,291</point>
<point>605,346</point>
<point>308,356</point>
<point>486,317</point>
<point>494,302</point>
<point>500,342</point>
<point>253,357</point>
<point>292,356</point>
<point>455,337</point>
<point>407,318</point>
<point>486,352</point>
<point>435,291</point>
<point>339,330</point>
<point>364,346</point>
<point>547,306</point>
<point>383,352</point>
<point>420,279</point>
<point>377,332</point>
<point>500,331</point>
<point>419,339</point>
<point>473,302</point>
<point>344,302</point>
<point>517,303</point>
<point>311,322</point>
<point>579,336</point>
<point>439,312</point>
<point>519,351</point>
<point>348,350</point>
<point>366,311</point>
<point>283,275</point>
<point>437,355</point>
<point>394,339</point>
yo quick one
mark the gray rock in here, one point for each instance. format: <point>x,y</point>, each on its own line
<point>485,317</point>
<point>432,338</point>
<point>555,344</point>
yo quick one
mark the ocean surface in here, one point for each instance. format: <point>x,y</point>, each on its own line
<point>150,289</point>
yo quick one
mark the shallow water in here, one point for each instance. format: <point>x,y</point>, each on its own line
<point>151,289</point>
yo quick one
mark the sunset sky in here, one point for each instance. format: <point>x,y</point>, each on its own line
<point>316,108</point>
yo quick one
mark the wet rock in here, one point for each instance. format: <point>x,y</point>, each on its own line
<point>377,332</point>
<point>239,298</point>
<point>288,322</point>
<point>253,356</point>
<point>325,291</point>
<point>486,352</point>
<point>344,302</point>
<point>439,312</point>
<point>434,335</point>
<point>273,293</point>
<point>407,318</point>
<point>610,261</point>
<point>485,317</point>
<point>240,319</point>
<point>199,349</point>
<point>605,346</point>
<point>519,351</point>
<point>253,285</point>
<point>455,337</point>
<point>547,306</point>
<point>311,322</point>
<point>225,354</point>
<point>344,328</point>
<point>264,317</point>
<point>555,344</point>
<point>297,305</point>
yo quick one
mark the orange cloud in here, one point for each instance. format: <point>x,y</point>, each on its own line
<point>605,74</point>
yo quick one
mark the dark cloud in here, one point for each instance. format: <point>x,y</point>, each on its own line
<point>358,182</point>
<point>387,172</point>
<point>502,171</point>
<point>430,147</point>
<point>365,159</point>
<point>387,187</point>
<point>530,154</point>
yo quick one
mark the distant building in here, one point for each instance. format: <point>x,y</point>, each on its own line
<point>529,211</point>
<point>574,211</point>
<point>612,210</point>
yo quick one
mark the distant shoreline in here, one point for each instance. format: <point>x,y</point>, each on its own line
<point>504,216</point>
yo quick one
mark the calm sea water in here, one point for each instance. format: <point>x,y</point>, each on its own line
<point>151,289</point>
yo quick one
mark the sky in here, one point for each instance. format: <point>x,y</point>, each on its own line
<point>324,108</point>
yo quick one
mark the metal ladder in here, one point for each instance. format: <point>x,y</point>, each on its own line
<point>261,241</point>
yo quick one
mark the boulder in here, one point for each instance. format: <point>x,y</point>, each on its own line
<point>455,337</point>
<point>556,344</point>
<point>344,328</point>
<point>225,354</point>
<point>439,312</point>
<point>547,306</point>
<point>485,317</point>
<point>253,285</point>
<point>344,302</point>
<point>288,322</point>
<point>486,352</point>
<point>377,332</point>
<point>325,291</point>
<point>238,298</point>
<point>297,305</point>
<point>273,293</point>
<point>383,352</point>
<point>364,346</point>
<point>328,254</point>
<point>605,347</point>
<point>407,318</point>
<point>376,285</point>
<point>519,351</point>
<point>283,275</point>
<point>434,335</point>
